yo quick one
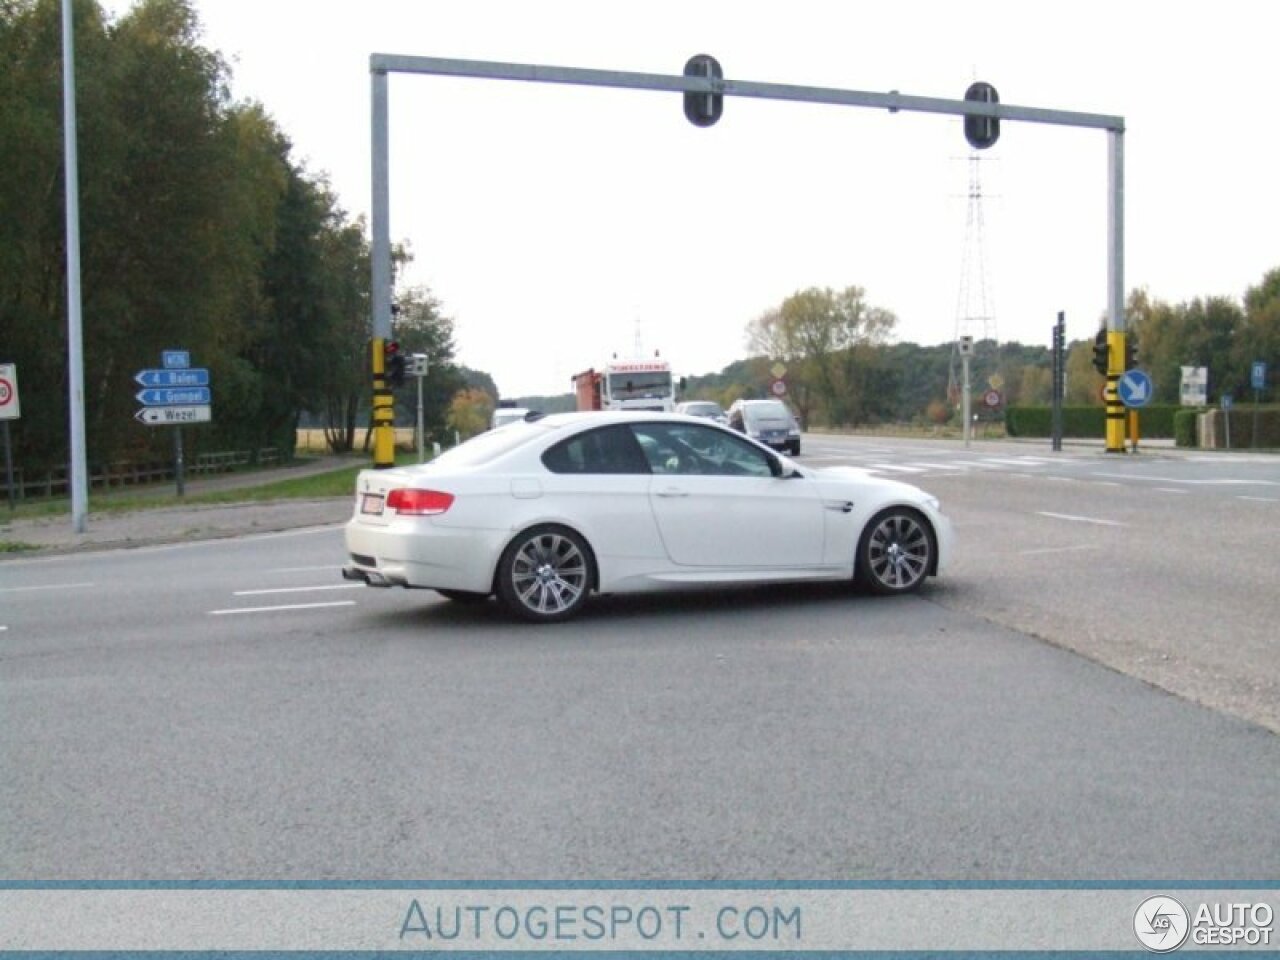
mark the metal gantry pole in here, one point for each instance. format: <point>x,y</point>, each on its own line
<point>75,343</point>
<point>384,442</point>
<point>381,65</point>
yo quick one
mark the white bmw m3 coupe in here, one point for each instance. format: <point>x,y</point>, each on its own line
<point>548,510</point>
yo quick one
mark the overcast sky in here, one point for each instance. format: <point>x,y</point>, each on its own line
<point>559,225</point>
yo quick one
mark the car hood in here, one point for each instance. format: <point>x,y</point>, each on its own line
<point>894,489</point>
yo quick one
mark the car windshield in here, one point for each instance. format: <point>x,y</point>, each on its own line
<point>634,385</point>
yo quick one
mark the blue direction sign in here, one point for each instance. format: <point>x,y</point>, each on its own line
<point>193,377</point>
<point>1258,375</point>
<point>174,397</point>
<point>175,359</point>
<point>1134,388</point>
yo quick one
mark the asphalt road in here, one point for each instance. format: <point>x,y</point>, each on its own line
<point>1072,701</point>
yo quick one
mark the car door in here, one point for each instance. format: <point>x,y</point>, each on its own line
<point>717,502</point>
<point>600,481</point>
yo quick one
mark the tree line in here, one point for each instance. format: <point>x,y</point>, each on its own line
<point>199,230</point>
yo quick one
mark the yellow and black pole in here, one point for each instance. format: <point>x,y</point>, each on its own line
<point>384,443</point>
<point>1116,412</point>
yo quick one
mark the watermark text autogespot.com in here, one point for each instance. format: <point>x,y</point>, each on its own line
<point>478,925</point>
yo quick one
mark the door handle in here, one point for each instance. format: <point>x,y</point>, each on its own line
<point>673,492</point>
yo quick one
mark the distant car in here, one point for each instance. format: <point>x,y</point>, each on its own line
<point>703,408</point>
<point>548,510</point>
<point>505,415</point>
<point>769,421</point>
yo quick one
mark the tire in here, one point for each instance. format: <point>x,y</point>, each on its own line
<point>794,449</point>
<point>896,552</point>
<point>545,574</point>
<point>463,596</point>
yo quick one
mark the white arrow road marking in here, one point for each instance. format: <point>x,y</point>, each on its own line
<point>1069,516</point>
<point>288,606</point>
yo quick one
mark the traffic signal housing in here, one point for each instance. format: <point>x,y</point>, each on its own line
<point>703,109</point>
<point>393,363</point>
<point>1131,351</point>
<point>981,132</point>
<point>1100,352</point>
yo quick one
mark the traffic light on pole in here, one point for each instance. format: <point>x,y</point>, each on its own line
<point>981,132</point>
<point>393,364</point>
<point>1131,351</point>
<point>1100,352</point>
<point>703,109</point>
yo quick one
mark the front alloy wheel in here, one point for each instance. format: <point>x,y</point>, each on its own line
<point>896,551</point>
<point>544,574</point>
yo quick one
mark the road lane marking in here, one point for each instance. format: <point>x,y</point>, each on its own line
<point>895,467</point>
<point>328,586</point>
<point>287,606</point>
<point>1211,482</point>
<point>1073,517</point>
<point>1259,499</point>
<point>47,586</point>
<point>1044,550</point>
<point>1170,490</point>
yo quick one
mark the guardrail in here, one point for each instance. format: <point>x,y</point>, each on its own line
<point>55,482</point>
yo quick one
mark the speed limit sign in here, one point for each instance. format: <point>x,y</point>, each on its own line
<point>8,391</point>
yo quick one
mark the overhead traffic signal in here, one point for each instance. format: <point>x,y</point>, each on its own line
<point>703,109</point>
<point>981,132</point>
<point>1100,352</point>
<point>393,363</point>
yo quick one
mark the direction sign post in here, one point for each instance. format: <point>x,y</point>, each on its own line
<point>172,395</point>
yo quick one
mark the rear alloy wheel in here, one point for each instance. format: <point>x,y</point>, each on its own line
<point>544,574</point>
<point>896,551</point>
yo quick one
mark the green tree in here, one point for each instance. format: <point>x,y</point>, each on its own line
<point>830,342</point>
<point>1259,335</point>
<point>470,412</point>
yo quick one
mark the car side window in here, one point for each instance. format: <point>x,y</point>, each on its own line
<point>607,450</point>
<point>691,450</point>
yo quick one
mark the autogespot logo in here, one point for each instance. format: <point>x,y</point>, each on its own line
<point>1161,924</point>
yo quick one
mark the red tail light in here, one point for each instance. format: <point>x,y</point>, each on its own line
<point>419,503</point>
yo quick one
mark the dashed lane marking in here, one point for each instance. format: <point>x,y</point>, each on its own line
<point>1076,519</point>
<point>287,606</point>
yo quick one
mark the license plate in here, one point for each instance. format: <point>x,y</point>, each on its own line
<point>371,503</point>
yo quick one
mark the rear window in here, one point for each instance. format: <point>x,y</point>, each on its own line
<point>767,411</point>
<point>492,444</point>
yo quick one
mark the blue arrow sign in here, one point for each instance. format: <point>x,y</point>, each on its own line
<point>1134,388</point>
<point>193,377</point>
<point>174,397</point>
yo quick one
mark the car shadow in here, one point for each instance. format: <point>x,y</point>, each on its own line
<point>601,610</point>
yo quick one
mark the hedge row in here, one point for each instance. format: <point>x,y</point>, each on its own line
<point>1087,422</point>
